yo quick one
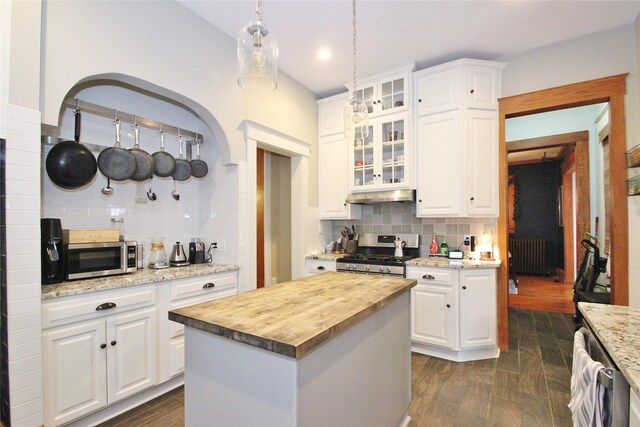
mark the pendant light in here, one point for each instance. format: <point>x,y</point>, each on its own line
<point>356,124</point>
<point>257,56</point>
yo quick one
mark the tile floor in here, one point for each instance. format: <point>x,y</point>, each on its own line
<point>527,386</point>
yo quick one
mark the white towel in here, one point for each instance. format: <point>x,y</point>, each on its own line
<point>586,394</point>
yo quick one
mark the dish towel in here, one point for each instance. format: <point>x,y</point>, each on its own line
<point>586,394</point>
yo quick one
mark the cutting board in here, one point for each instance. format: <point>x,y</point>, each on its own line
<point>93,235</point>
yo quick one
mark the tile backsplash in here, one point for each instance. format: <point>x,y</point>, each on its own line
<point>390,218</point>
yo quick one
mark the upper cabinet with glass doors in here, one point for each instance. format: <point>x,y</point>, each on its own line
<point>383,159</point>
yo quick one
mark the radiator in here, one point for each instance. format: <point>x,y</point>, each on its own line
<point>527,256</point>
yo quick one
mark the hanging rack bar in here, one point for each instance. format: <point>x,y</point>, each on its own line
<point>109,113</point>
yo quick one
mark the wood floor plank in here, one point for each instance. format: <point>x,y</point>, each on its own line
<point>504,413</point>
<point>507,386</point>
<point>559,410</point>
<point>509,360</point>
<point>535,411</point>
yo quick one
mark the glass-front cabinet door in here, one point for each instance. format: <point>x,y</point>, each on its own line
<point>392,94</point>
<point>378,161</point>
<point>385,95</point>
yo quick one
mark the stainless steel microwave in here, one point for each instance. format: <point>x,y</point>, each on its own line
<point>89,260</point>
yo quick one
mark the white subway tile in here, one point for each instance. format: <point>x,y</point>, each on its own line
<point>31,290</point>
<point>27,409</point>
<point>23,173</point>
<point>21,321</point>
<point>22,202</point>
<point>23,306</point>
<point>22,262</point>
<point>25,365</point>
<point>18,397</point>
<point>18,113</point>
<point>36,419</point>
<point>22,188</point>
<point>24,232</point>
<point>23,247</point>
<point>23,158</point>
<point>19,352</point>
<point>27,379</point>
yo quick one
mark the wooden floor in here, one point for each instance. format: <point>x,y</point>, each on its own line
<point>542,293</point>
<point>527,386</point>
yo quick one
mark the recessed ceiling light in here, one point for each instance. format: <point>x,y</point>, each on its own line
<point>324,54</point>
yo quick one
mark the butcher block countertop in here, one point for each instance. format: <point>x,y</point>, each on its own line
<point>293,318</point>
<point>618,329</point>
<point>140,277</point>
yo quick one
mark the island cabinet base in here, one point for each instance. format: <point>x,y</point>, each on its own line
<point>361,377</point>
<point>456,355</point>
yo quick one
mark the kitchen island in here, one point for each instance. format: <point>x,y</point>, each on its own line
<point>331,349</point>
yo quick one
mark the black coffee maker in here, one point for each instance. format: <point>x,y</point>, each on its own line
<point>51,251</point>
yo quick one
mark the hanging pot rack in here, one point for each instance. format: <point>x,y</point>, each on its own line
<point>109,113</point>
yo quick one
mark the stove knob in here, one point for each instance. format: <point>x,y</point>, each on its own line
<point>367,268</point>
<point>352,266</point>
<point>387,270</point>
<point>381,269</point>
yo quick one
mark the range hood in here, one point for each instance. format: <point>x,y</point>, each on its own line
<point>382,197</point>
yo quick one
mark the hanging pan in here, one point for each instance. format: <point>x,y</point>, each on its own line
<point>69,164</point>
<point>183,167</point>
<point>115,162</point>
<point>165,162</point>
<point>144,160</point>
<point>199,167</point>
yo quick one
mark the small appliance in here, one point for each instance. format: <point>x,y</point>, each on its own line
<point>399,245</point>
<point>178,258</point>
<point>89,260</point>
<point>196,251</point>
<point>52,268</point>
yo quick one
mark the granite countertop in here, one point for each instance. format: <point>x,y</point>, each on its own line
<point>293,318</point>
<point>325,257</point>
<point>442,262</point>
<point>140,277</point>
<point>618,329</point>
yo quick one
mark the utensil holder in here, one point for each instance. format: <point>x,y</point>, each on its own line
<point>352,246</point>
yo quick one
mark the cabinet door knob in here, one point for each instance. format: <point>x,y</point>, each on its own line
<point>472,199</point>
<point>420,200</point>
<point>448,305</point>
<point>106,306</point>
<point>471,91</point>
<point>103,346</point>
<point>114,342</point>
<point>209,285</point>
<point>320,267</point>
<point>419,99</point>
<point>428,277</point>
<point>464,287</point>
<point>345,204</point>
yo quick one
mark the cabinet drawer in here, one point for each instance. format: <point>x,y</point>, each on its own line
<point>75,308</point>
<point>440,276</point>
<point>177,329</point>
<point>315,266</point>
<point>199,285</point>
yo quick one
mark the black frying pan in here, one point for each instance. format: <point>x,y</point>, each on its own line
<point>183,167</point>
<point>144,160</point>
<point>115,162</point>
<point>69,164</point>
<point>165,162</point>
<point>199,167</point>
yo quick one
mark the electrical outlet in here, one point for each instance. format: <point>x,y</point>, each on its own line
<point>218,246</point>
<point>467,240</point>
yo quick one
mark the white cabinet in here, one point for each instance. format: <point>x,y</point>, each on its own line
<point>333,179</point>
<point>317,266</point>
<point>462,94</point>
<point>333,170</point>
<point>382,161</point>
<point>478,309</point>
<point>439,153</point>
<point>634,409</point>
<point>454,313</point>
<point>185,292</point>
<point>433,309</point>
<point>97,349</point>
<point>387,92</point>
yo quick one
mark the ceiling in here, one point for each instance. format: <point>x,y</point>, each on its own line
<point>395,33</point>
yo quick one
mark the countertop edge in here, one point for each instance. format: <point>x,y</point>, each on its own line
<point>86,286</point>
<point>301,349</point>
<point>440,262</point>
<point>630,374</point>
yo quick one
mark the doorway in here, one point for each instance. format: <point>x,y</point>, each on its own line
<point>611,89</point>
<point>273,215</point>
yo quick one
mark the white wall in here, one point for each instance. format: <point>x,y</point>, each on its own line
<point>593,56</point>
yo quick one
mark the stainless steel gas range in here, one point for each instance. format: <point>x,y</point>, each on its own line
<point>375,255</point>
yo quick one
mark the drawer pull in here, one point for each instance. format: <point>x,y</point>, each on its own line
<point>320,267</point>
<point>464,287</point>
<point>428,277</point>
<point>114,342</point>
<point>448,305</point>
<point>209,285</point>
<point>106,306</point>
<point>103,346</point>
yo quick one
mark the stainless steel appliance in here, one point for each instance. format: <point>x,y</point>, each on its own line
<point>615,412</point>
<point>87,260</point>
<point>51,247</point>
<point>376,255</point>
<point>178,258</point>
<point>196,251</point>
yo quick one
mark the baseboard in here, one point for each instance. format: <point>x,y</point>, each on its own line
<point>128,404</point>
<point>456,356</point>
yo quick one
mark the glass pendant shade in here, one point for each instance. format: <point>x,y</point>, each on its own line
<point>356,122</point>
<point>257,58</point>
